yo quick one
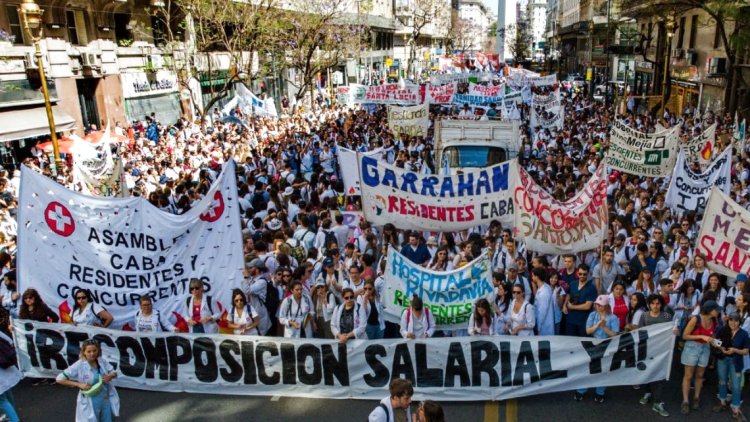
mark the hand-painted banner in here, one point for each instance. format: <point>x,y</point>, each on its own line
<point>443,369</point>
<point>412,120</point>
<point>351,94</point>
<point>441,94</point>
<point>450,295</point>
<point>444,78</point>
<point>392,94</point>
<point>543,80</point>
<point>724,238</point>
<point>549,119</point>
<point>689,191</point>
<point>487,90</point>
<point>350,167</point>
<point>547,102</point>
<point>122,249</point>
<point>552,227</point>
<point>701,148</point>
<point>107,184</point>
<point>640,153</point>
<point>432,202</point>
<point>475,100</point>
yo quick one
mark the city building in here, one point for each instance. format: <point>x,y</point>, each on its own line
<point>478,20</point>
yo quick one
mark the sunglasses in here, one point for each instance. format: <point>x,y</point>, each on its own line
<point>79,298</point>
<point>348,297</point>
<point>194,288</point>
<point>367,289</point>
<point>239,300</point>
<point>517,292</point>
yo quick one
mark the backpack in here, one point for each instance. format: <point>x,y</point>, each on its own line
<point>8,356</point>
<point>408,316</point>
<point>385,409</point>
<point>329,238</point>
<point>273,300</point>
<point>298,252</point>
<point>208,302</point>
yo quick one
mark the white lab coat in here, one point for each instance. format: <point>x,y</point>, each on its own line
<point>300,312</point>
<point>81,372</point>
<point>360,321</point>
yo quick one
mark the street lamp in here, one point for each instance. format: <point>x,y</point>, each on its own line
<point>669,25</point>
<point>31,14</point>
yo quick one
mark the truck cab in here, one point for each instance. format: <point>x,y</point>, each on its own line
<point>466,145</point>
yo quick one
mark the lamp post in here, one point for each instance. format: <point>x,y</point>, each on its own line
<point>669,25</point>
<point>31,14</point>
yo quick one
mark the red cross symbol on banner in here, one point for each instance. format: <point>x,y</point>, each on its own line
<point>216,210</point>
<point>59,219</point>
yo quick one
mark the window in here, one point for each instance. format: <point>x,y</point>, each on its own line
<point>693,31</point>
<point>16,30</point>
<point>122,33</point>
<point>474,156</point>
<point>159,30</point>
<point>681,33</point>
<point>70,18</point>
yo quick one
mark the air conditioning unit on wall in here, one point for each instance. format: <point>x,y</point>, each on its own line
<point>89,60</point>
<point>30,61</point>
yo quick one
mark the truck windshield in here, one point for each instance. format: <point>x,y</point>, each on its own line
<point>474,156</point>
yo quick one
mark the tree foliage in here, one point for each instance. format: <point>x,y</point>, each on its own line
<point>465,35</point>
<point>518,40</point>
<point>421,14</point>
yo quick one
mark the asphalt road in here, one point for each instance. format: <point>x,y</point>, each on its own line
<point>55,403</point>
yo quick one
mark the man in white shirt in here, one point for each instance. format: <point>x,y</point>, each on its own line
<point>399,399</point>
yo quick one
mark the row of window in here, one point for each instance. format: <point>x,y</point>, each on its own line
<point>680,39</point>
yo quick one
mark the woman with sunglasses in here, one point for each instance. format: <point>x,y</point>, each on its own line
<point>521,314</point>
<point>34,308</point>
<point>148,320</point>
<point>297,314</point>
<point>348,320</point>
<point>242,318</point>
<point>199,309</point>
<point>92,376</point>
<point>370,301</point>
<point>88,312</point>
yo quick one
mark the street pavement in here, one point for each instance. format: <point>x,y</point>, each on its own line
<point>56,403</point>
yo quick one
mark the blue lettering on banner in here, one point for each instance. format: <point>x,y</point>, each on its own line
<point>482,182</point>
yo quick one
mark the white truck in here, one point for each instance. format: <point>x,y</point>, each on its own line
<point>471,144</point>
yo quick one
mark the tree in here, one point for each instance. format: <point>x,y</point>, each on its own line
<point>465,35</point>
<point>518,40</point>
<point>317,35</point>
<point>422,13</point>
<point>222,41</point>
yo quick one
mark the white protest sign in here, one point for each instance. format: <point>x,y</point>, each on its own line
<point>724,238</point>
<point>415,201</point>
<point>444,369</point>
<point>486,90</point>
<point>689,190</point>
<point>552,227</point>
<point>701,148</point>
<point>125,248</point>
<point>392,94</point>
<point>543,80</point>
<point>350,167</point>
<point>440,94</point>
<point>411,120</point>
<point>640,153</point>
<point>450,295</point>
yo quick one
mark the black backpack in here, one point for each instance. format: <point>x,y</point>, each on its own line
<point>272,301</point>
<point>7,354</point>
<point>330,237</point>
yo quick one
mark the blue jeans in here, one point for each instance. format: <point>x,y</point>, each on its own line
<point>598,390</point>
<point>8,406</point>
<point>727,373</point>
<point>373,332</point>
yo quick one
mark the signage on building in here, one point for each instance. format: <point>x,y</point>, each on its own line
<point>644,65</point>
<point>685,72</point>
<point>141,84</point>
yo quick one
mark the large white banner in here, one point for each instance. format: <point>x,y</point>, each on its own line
<point>724,238</point>
<point>552,227</point>
<point>701,148</point>
<point>543,80</point>
<point>413,120</point>
<point>486,90</point>
<point>109,183</point>
<point>440,94</point>
<point>443,369</point>
<point>125,248</point>
<point>640,153</point>
<point>393,94</point>
<point>689,190</point>
<point>546,102</point>
<point>450,295</point>
<point>548,119</point>
<point>349,165</point>
<point>414,201</point>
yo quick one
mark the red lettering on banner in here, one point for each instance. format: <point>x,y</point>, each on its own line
<point>404,206</point>
<point>724,254</point>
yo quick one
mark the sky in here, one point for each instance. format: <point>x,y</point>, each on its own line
<point>491,5</point>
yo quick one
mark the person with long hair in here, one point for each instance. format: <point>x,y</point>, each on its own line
<point>9,293</point>
<point>521,315</point>
<point>429,411</point>
<point>688,298</point>
<point>635,311</point>
<point>698,271</point>
<point>92,376</point>
<point>482,320</point>
<point>370,301</point>
<point>88,312</point>
<point>644,284</point>
<point>735,345</point>
<point>9,376</point>
<point>34,308</point>
<point>600,324</point>
<point>619,303</point>
<point>655,315</point>
<point>242,317</point>
<point>441,261</point>
<point>698,335</point>
<point>716,285</point>
<point>501,304</point>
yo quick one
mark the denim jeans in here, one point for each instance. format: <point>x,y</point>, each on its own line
<point>728,374</point>
<point>7,405</point>
<point>374,332</point>
<point>598,390</point>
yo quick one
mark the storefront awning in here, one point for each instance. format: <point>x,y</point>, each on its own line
<point>32,122</point>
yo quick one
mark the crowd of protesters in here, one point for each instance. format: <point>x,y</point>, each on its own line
<point>307,274</point>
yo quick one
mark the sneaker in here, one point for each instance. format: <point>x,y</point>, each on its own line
<point>578,397</point>
<point>739,417</point>
<point>696,404</point>
<point>685,408</point>
<point>720,407</point>
<point>646,398</point>
<point>659,408</point>
<point>599,399</point>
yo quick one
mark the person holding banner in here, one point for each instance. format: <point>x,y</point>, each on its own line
<point>399,399</point>
<point>296,314</point>
<point>88,312</point>
<point>242,318</point>
<point>600,324</point>
<point>148,320</point>
<point>199,309</point>
<point>521,314</point>
<point>482,321</point>
<point>370,301</point>
<point>543,303</point>
<point>655,315</point>
<point>417,321</point>
<point>92,376</point>
<point>579,303</point>
<point>349,320</point>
